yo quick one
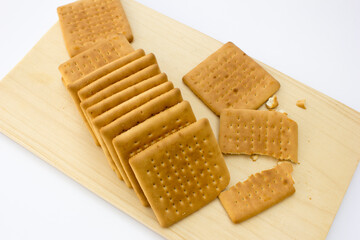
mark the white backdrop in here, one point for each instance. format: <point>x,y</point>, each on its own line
<point>315,42</point>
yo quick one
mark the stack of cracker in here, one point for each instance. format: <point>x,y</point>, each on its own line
<point>148,133</point>
<point>233,86</point>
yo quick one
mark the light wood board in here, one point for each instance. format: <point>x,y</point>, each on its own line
<point>37,112</point>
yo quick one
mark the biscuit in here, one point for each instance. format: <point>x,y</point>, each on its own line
<point>301,103</point>
<point>258,193</point>
<point>74,87</point>
<point>116,76</point>
<point>230,79</point>
<point>149,132</point>
<point>271,133</point>
<point>117,87</point>
<point>85,23</point>
<point>104,52</point>
<point>272,103</point>
<point>123,108</point>
<point>181,173</point>
<point>133,118</point>
<point>118,99</point>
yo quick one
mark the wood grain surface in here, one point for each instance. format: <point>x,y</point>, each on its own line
<point>38,113</point>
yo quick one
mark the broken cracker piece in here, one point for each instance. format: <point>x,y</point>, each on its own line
<point>272,102</point>
<point>244,131</point>
<point>258,193</point>
<point>301,103</point>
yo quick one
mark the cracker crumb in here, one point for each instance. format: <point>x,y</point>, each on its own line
<point>301,103</point>
<point>272,102</point>
<point>254,157</point>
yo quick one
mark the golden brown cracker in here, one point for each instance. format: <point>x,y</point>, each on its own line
<point>117,75</point>
<point>152,130</point>
<point>301,103</point>
<point>271,133</point>
<point>258,193</point>
<point>74,87</point>
<point>122,96</point>
<point>103,53</point>
<point>230,79</point>
<point>86,22</point>
<point>123,108</point>
<point>134,117</point>
<point>119,86</point>
<point>181,173</point>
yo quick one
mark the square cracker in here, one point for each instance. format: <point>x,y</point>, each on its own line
<point>84,23</point>
<point>149,132</point>
<point>118,87</point>
<point>117,75</point>
<point>271,133</point>
<point>104,52</point>
<point>181,173</point>
<point>258,193</point>
<point>230,79</point>
<point>74,87</point>
<point>118,99</point>
<point>133,118</point>
<point>120,110</point>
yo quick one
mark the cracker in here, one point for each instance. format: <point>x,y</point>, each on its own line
<point>271,133</point>
<point>272,103</point>
<point>258,193</point>
<point>119,98</point>
<point>105,52</point>
<point>181,173</point>
<point>149,132</point>
<point>116,76</point>
<point>74,87</point>
<point>301,103</point>
<point>85,23</point>
<point>133,118</point>
<point>117,87</point>
<point>230,79</point>
<point>123,108</point>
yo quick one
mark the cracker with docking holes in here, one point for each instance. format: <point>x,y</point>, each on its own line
<point>117,87</point>
<point>120,110</point>
<point>181,173</point>
<point>117,75</point>
<point>230,79</point>
<point>121,97</point>
<point>74,87</point>
<point>271,133</point>
<point>105,52</point>
<point>85,23</point>
<point>149,132</point>
<point>133,118</point>
<point>258,193</point>
<point>106,104</point>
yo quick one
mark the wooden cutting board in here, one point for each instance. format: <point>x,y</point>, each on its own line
<point>37,112</point>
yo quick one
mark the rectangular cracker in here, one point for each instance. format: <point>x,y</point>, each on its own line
<point>74,87</point>
<point>117,87</point>
<point>271,133</point>
<point>118,99</point>
<point>85,23</point>
<point>152,130</point>
<point>230,79</point>
<point>258,193</point>
<point>135,117</point>
<point>116,76</point>
<point>121,97</point>
<point>104,52</point>
<point>182,172</point>
<point>120,110</point>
